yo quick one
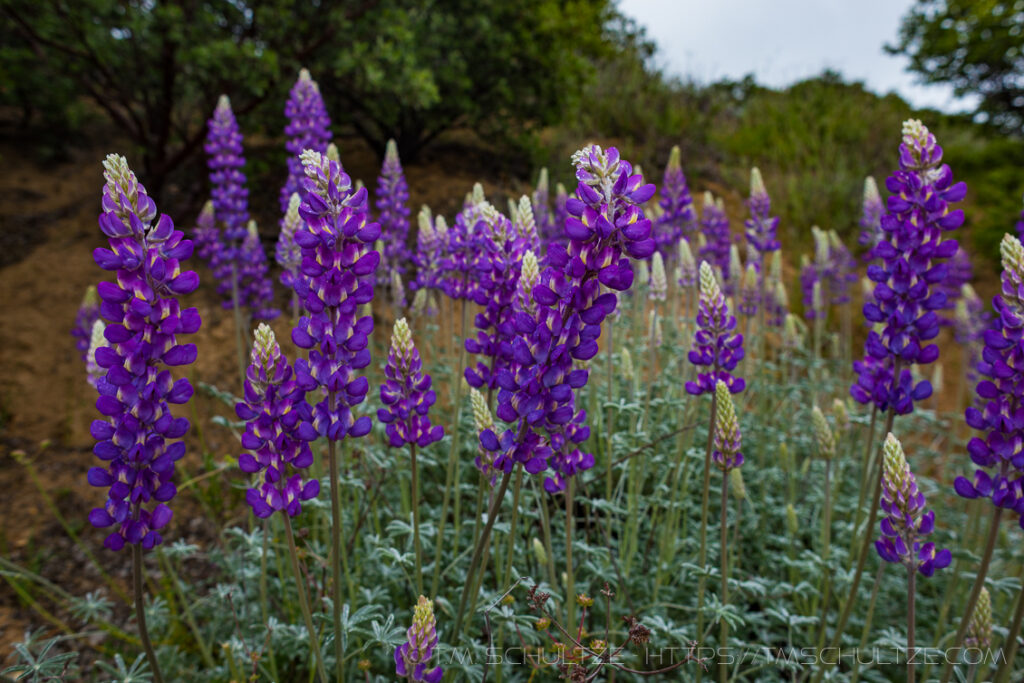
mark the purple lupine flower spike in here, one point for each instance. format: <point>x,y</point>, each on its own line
<point>413,656</point>
<point>393,207</point>
<point>277,431</point>
<point>904,302</point>
<point>715,227</point>
<point>997,413</point>
<point>336,278</point>
<point>230,197</point>
<point>206,236</point>
<point>309,127</point>
<point>406,394</point>
<point>88,314</point>
<point>679,219</point>
<point>762,228</point>
<point>497,273</point>
<point>749,296</point>
<point>287,253</point>
<point>841,270</point>
<point>144,321</point>
<point>255,289</point>
<point>727,442</point>
<point>686,270</point>
<point>716,346</point>
<point>906,522</point>
<point>871,219</point>
<point>537,393</point>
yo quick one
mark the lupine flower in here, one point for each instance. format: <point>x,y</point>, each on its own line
<point>144,321</point>
<point>529,276</point>
<point>560,214</point>
<point>85,319</point>
<point>525,225</point>
<point>969,325</point>
<point>277,431</point>
<point>287,252</point>
<point>94,373</point>
<point>659,283</point>
<point>678,219</point>
<point>904,302</point>
<point>397,290</point>
<point>979,628</point>
<point>497,274</point>
<point>654,334</point>
<point>793,332</point>
<point>626,369</point>
<point>778,304</point>
<point>393,211</point>
<point>997,453</point>
<point>906,522</point>
<point>336,278</point>
<point>840,271</point>
<point>686,271</point>
<point>255,289</point>
<point>406,394</point>
<point>206,236</point>
<point>715,227</point>
<point>727,453</point>
<point>230,198</point>
<point>482,421</point>
<point>761,227</point>
<point>430,244</point>
<point>823,435</point>
<point>748,291</point>
<point>458,262</point>
<point>716,347</point>
<point>413,656</point>
<point>309,127</point>
<point>871,220</point>
<point>734,273</point>
<point>541,206</point>
<point>959,273</point>
<point>537,392</point>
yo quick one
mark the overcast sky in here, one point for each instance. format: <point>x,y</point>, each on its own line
<point>783,41</point>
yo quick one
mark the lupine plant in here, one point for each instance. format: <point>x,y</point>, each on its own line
<point>577,397</point>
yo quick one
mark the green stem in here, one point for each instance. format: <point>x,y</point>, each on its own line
<point>866,469</point>
<point>911,621</point>
<point>485,535</point>
<point>314,639</point>
<point>140,612</point>
<point>865,546</point>
<point>1003,676</point>
<point>204,649</point>
<point>867,622</point>
<point>570,527</point>
<point>516,490</point>
<point>703,555</point>
<point>337,556</point>
<point>240,333</point>
<point>723,638</point>
<point>972,599</point>
<point>417,548</point>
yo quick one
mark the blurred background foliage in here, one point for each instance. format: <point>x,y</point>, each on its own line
<point>530,81</point>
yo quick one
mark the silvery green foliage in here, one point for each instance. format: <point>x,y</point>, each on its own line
<point>44,660</point>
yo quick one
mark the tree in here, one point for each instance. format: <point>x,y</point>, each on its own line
<point>977,46</point>
<point>391,68</point>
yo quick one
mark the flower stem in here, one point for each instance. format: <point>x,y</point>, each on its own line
<point>140,612</point>
<point>240,334</point>
<point>723,638</point>
<point>417,548</point>
<point>865,546</point>
<point>703,556</point>
<point>1003,676</point>
<point>570,596</point>
<point>485,535</point>
<point>979,583</point>
<point>314,639</point>
<point>337,557</point>
<point>911,621</point>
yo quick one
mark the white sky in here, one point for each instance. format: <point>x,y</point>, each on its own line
<point>783,41</point>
